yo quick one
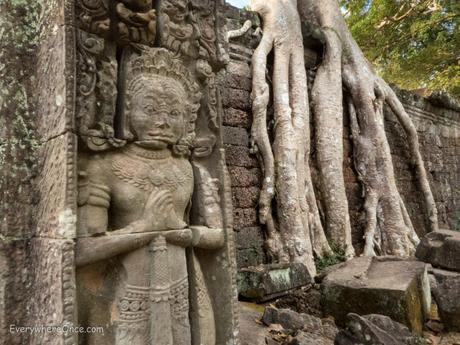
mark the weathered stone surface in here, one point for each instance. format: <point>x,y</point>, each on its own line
<point>251,332</point>
<point>441,249</point>
<point>306,299</point>
<point>53,297</point>
<point>236,136</point>
<point>380,285</point>
<point>447,297</point>
<point>236,98</point>
<point>240,156</point>
<point>244,217</point>
<point>56,212</point>
<point>245,197</point>
<point>238,76</point>
<point>305,338</point>
<point>265,282</point>
<point>375,330</point>
<point>248,257</point>
<point>289,319</point>
<point>308,329</point>
<point>244,177</point>
<point>237,118</point>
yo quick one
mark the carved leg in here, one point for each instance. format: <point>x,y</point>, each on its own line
<point>132,309</point>
<point>160,308</point>
<point>202,313</point>
<point>179,296</point>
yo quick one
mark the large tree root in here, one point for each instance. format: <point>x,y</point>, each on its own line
<point>286,164</point>
<point>294,228</point>
<point>388,229</point>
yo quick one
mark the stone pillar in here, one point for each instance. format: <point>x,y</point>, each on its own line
<point>63,108</point>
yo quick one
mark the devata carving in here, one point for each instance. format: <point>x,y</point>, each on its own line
<point>136,200</point>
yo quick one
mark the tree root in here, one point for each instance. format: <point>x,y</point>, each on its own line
<point>295,231</point>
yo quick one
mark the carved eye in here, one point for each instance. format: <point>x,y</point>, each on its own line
<point>149,109</point>
<point>175,113</point>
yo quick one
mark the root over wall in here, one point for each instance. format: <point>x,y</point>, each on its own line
<point>437,124</point>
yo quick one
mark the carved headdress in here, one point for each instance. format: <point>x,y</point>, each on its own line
<point>157,65</point>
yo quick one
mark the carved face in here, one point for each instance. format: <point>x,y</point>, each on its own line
<point>176,10</point>
<point>158,113</point>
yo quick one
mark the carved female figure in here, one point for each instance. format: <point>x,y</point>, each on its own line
<point>135,274</point>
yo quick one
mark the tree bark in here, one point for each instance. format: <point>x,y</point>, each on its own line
<point>388,229</point>
<point>295,231</point>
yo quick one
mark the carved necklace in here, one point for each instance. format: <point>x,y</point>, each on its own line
<point>149,169</point>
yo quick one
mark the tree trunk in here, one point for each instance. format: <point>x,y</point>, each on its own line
<point>295,231</point>
<point>388,229</point>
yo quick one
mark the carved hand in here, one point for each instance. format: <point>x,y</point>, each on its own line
<point>159,213</point>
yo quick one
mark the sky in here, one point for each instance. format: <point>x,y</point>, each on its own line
<point>238,3</point>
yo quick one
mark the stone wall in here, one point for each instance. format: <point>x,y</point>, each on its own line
<point>437,122</point>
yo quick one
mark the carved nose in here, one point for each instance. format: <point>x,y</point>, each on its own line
<point>162,124</point>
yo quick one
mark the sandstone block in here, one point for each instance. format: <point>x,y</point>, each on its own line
<point>446,294</point>
<point>237,118</point>
<point>248,257</point>
<point>245,197</point>
<point>239,99</point>
<point>374,330</point>
<point>289,319</point>
<point>236,136</point>
<point>244,177</point>
<point>240,156</point>
<point>441,249</point>
<point>266,282</point>
<point>380,285</point>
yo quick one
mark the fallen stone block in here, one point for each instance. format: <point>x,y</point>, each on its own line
<point>381,285</point>
<point>304,338</point>
<point>265,282</point>
<point>447,297</point>
<point>289,319</point>
<point>441,249</point>
<point>375,330</point>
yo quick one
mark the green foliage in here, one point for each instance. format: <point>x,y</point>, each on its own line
<point>337,257</point>
<point>413,43</point>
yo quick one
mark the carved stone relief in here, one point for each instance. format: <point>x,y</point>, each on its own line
<point>150,202</point>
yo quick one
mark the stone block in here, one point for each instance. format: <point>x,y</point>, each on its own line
<point>238,76</point>
<point>236,136</point>
<point>56,212</point>
<point>240,156</point>
<point>381,285</point>
<point>244,217</point>
<point>249,237</point>
<point>373,330</point>
<point>237,118</point>
<point>251,332</point>
<point>249,257</point>
<point>446,294</point>
<point>441,249</point>
<point>239,99</point>
<point>245,197</point>
<point>290,319</point>
<point>244,177</point>
<point>53,292</point>
<point>266,282</point>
